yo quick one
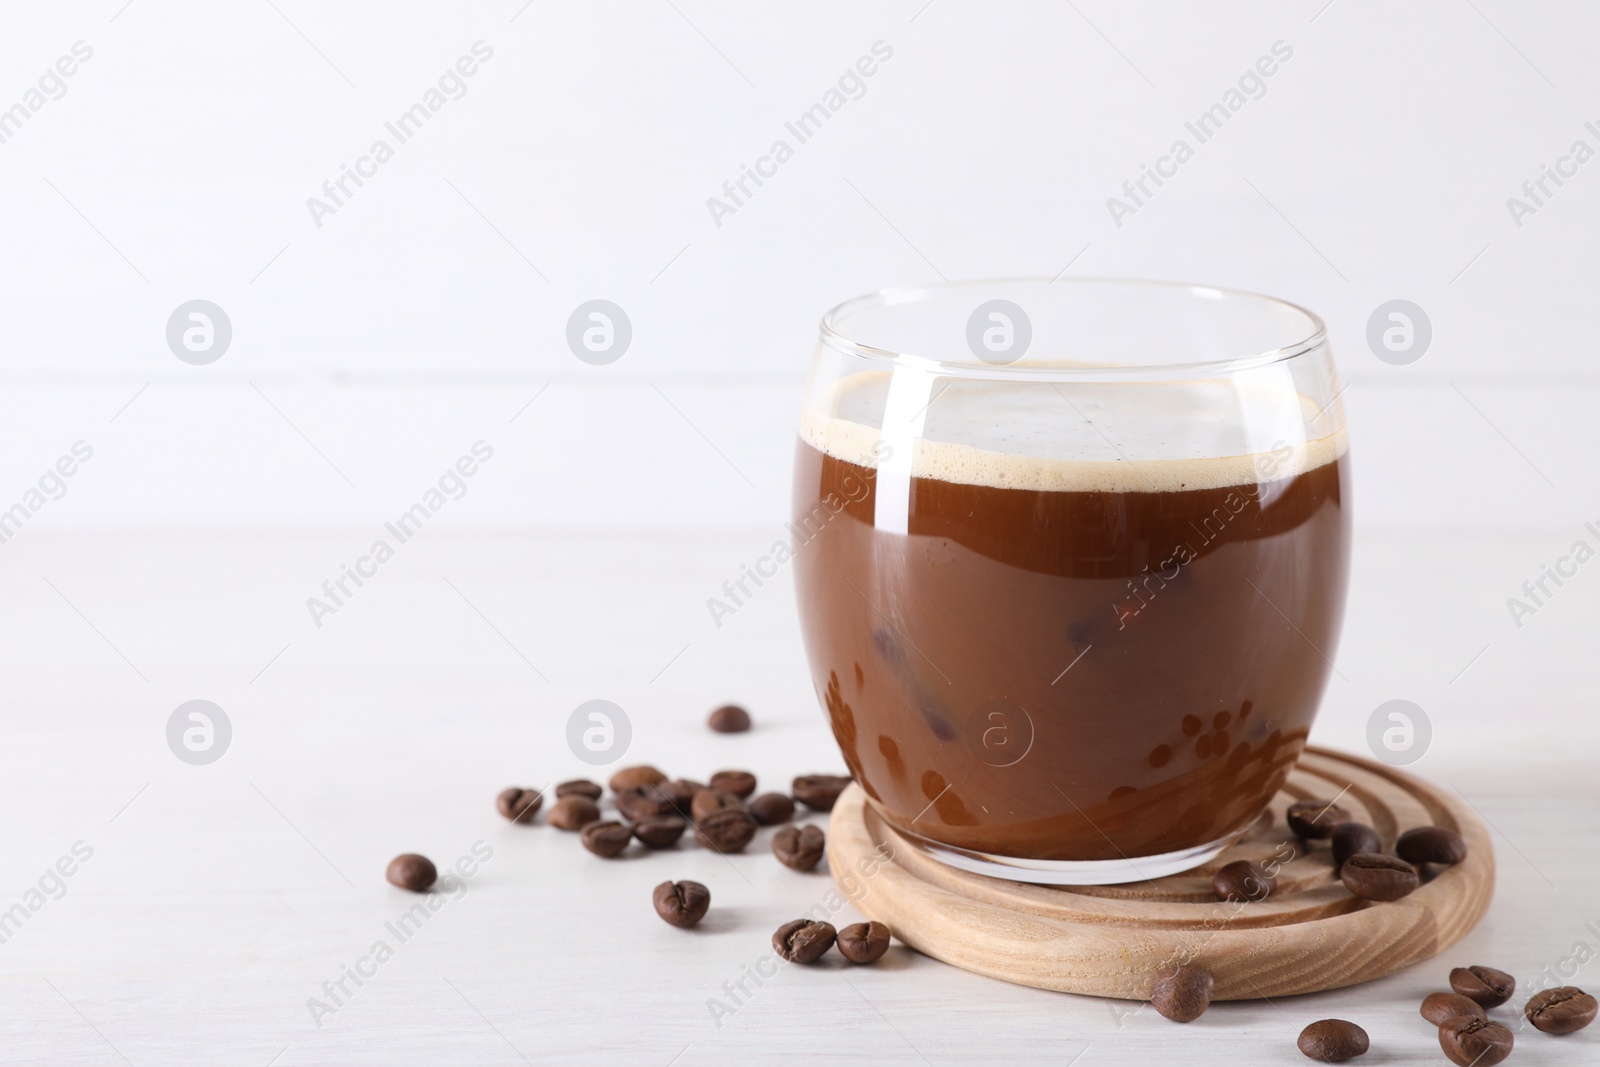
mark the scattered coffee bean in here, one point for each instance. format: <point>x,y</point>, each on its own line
<point>1333,1041</point>
<point>519,804</point>
<point>1353,837</point>
<point>1431,844</point>
<point>864,942</point>
<point>770,809</point>
<point>580,786</point>
<point>799,847</point>
<point>643,801</point>
<point>659,831</point>
<point>729,719</point>
<point>1470,1042</point>
<point>1562,1010</point>
<point>411,871</point>
<point>819,791</point>
<point>682,791</point>
<point>725,831</point>
<point>573,811</point>
<point>628,777</point>
<point>710,801</point>
<point>681,904</point>
<point>1183,995</point>
<point>803,940</point>
<point>1242,881</point>
<point>1437,1007</point>
<point>1316,818</point>
<point>606,839</point>
<point>1374,876</point>
<point>740,783</point>
<point>1487,986</point>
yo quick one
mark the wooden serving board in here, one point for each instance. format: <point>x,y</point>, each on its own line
<point>1112,941</point>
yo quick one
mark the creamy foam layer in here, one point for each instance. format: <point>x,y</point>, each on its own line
<point>1107,437</point>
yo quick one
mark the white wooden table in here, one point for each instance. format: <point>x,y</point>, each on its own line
<point>219,899</point>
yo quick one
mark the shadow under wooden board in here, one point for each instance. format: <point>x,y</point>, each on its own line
<point>1112,941</point>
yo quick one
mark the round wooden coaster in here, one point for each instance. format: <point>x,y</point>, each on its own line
<point>1112,941</point>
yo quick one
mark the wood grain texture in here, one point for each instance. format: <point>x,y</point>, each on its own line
<point>1310,935</point>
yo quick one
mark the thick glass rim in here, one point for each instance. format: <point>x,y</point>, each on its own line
<point>837,339</point>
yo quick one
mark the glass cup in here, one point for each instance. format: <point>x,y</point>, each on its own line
<point>1071,564</point>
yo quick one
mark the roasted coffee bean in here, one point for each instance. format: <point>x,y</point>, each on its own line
<point>643,801</point>
<point>819,791</point>
<point>803,940</point>
<point>1182,995</point>
<point>1431,844</point>
<point>1374,876</point>
<point>606,839</point>
<point>1562,1010</point>
<point>725,831</point>
<point>864,942</point>
<point>1487,986</point>
<point>681,903</point>
<point>580,786</point>
<point>770,809</point>
<point>740,783</point>
<point>1333,1041</point>
<point>1353,837</point>
<point>519,804</point>
<point>411,871</point>
<point>573,812</point>
<point>710,801</point>
<point>682,791</point>
<point>628,777</point>
<point>659,831</point>
<point>1242,881</point>
<point>799,847</point>
<point>1437,1007</point>
<point>1316,818</point>
<point>729,719</point>
<point>1470,1042</point>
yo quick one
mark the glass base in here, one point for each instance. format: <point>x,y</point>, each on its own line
<point>1075,872</point>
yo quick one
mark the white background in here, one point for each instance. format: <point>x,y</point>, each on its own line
<point>428,311</point>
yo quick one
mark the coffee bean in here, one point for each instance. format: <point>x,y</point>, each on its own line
<point>643,801</point>
<point>803,940</point>
<point>1183,995</point>
<point>725,831</point>
<point>659,831</point>
<point>770,809</point>
<point>1353,837</point>
<point>799,847</point>
<point>1437,1007</point>
<point>864,942</point>
<point>1242,881</point>
<point>729,719</point>
<point>1374,876</point>
<point>628,777</point>
<point>1316,818</point>
<point>1562,1010</point>
<point>573,812</point>
<point>1333,1041</point>
<point>1470,1042</point>
<point>819,791</point>
<point>681,904</point>
<point>411,871</point>
<point>1431,844</point>
<point>710,801</point>
<point>1487,986</point>
<point>740,783</point>
<point>606,839</point>
<point>682,791</point>
<point>580,786</point>
<point>519,804</point>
